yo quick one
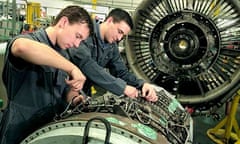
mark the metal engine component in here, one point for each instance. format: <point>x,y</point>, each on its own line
<point>132,120</point>
<point>190,48</point>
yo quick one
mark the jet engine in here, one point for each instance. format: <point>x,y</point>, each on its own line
<point>189,47</point>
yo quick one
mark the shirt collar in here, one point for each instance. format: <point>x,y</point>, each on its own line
<point>56,47</point>
<point>101,42</point>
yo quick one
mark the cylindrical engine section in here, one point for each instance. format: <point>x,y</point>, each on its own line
<point>71,130</point>
<point>119,119</point>
<point>190,48</point>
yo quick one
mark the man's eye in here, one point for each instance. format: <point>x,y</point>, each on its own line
<point>78,36</point>
<point>120,32</point>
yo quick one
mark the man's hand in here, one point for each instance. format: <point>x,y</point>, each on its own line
<point>131,92</point>
<point>149,93</point>
<point>76,80</point>
<point>77,100</point>
<point>73,95</point>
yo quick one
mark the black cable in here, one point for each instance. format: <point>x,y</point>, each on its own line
<point>88,124</point>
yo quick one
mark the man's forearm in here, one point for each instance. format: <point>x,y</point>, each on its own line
<point>40,54</point>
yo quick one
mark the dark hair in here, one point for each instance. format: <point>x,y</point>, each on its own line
<point>119,15</point>
<point>75,14</point>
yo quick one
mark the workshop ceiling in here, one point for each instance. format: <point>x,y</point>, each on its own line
<point>126,4</point>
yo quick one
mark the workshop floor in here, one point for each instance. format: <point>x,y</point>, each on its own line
<point>203,123</point>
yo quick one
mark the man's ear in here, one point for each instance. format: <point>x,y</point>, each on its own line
<point>63,21</point>
<point>109,19</point>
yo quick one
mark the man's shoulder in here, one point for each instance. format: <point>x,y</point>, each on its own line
<point>39,35</point>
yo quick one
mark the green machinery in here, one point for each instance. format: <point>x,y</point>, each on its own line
<point>10,23</point>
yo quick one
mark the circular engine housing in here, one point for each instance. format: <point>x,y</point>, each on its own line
<point>190,48</point>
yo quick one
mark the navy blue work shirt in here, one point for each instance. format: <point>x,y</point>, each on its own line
<point>93,57</point>
<point>35,93</point>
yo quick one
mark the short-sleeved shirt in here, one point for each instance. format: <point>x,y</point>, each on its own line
<point>34,92</point>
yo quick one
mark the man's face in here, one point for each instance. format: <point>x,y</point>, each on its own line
<point>71,35</point>
<point>116,31</point>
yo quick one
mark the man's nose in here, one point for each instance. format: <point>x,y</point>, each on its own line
<point>120,36</point>
<point>77,43</point>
